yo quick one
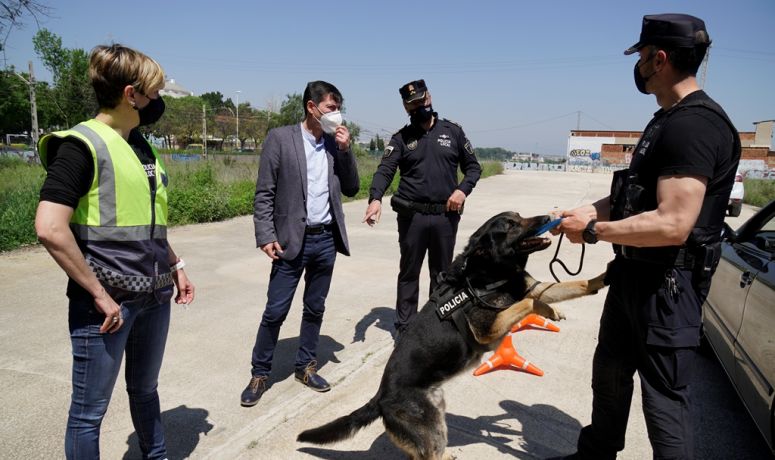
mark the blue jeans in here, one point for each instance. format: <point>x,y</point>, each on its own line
<point>96,362</point>
<point>316,261</point>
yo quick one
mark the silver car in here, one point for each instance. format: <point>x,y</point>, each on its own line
<point>739,316</point>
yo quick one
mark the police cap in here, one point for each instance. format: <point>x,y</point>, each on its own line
<point>413,91</point>
<point>671,31</point>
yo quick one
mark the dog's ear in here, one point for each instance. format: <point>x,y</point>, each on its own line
<point>491,242</point>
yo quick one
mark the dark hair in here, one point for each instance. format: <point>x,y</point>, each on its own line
<point>316,91</point>
<point>687,60</point>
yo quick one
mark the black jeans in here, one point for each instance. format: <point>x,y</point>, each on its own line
<point>654,330</point>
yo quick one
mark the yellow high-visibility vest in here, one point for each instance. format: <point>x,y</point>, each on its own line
<point>121,223</point>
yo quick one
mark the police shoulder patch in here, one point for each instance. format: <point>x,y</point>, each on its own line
<point>388,151</point>
<point>469,148</point>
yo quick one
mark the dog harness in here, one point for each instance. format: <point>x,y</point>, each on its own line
<point>453,302</point>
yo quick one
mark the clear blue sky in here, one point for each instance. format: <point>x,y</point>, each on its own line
<point>512,73</point>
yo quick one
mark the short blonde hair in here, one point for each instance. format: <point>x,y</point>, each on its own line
<point>112,68</point>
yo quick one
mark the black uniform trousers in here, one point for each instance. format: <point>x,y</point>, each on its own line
<point>417,234</point>
<point>650,324</point>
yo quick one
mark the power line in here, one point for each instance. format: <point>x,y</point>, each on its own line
<point>525,125</point>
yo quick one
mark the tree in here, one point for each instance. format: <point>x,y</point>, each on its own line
<point>212,99</point>
<point>380,144</point>
<point>187,122</point>
<point>355,131</point>
<point>253,124</point>
<point>291,111</point>
<point>224,123</point>
<point>15,103</point>
<point>12,13</point>
<point>372,145</point>
<point>72,93</point>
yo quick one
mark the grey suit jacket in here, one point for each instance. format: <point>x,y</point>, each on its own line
<point>280,204</point>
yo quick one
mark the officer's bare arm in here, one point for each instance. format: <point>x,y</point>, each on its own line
<point>679,201</point>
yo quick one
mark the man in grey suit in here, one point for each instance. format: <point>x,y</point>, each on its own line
<point>299,224</point>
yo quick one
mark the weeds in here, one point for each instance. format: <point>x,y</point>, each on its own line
<point>199,191</point>
<point>759,192</point>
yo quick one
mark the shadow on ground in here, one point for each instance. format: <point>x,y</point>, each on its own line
<point>524,432</point>
<point>183,427</point>
<point>380,317</point>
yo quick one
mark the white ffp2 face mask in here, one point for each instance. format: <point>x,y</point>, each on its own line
<point>330,121</point>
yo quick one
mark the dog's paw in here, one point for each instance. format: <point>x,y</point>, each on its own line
<point>548,311</point>
<point>597,283</point>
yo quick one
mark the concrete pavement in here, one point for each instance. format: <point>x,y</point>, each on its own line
<point>207,362</point>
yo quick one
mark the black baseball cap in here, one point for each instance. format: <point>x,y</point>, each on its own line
<point>413,91</point>
<point>671,31</point>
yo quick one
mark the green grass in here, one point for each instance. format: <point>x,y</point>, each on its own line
<point>19,188</point>
<point>759,192</point>
<point>199,191</point>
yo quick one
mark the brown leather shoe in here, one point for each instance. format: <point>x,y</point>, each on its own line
<point>253,392</point>
<point>308,376</point>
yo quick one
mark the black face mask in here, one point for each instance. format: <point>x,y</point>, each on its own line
<point>640,80</point>
<point>151,113</point>
<point>420,115</point>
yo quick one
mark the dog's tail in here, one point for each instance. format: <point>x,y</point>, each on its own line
<point>343,427</point>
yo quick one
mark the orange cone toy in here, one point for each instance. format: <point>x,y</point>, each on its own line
<point>533,321</point>
<point>506,356</point>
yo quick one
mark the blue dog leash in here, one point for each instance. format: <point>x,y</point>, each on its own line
<point>545,228</point>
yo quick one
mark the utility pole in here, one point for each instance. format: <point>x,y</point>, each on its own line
<point>238,142</point>
<point>204,130</point>
<point>33,109</point>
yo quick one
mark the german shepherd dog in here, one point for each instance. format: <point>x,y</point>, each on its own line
<point>491,273</point>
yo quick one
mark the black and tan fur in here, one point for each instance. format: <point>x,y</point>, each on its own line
<point>410,399</point>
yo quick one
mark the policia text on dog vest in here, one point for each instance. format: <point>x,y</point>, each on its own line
<point>120,225</point>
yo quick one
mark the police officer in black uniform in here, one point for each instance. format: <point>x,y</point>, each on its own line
<point>429,199</point>
<point>665,217</point>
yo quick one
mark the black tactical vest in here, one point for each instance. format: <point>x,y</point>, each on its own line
<point>629,196</point>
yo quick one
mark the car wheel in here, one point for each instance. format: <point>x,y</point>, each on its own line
<point>735,208</point>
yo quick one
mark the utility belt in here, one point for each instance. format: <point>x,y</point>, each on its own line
<point>682,259</point>
<point>402,206</point>
<point>701,260</point>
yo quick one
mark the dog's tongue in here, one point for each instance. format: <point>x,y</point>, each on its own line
<point>546,227</point>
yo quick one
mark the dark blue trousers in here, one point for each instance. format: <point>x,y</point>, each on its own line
<point>417,234</point>
<point>650,328</point>
<point>316,262</point>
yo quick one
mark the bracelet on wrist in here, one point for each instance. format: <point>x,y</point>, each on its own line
<point>178,265</point>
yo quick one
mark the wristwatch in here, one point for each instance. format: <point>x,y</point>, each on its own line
<point>589,235</point>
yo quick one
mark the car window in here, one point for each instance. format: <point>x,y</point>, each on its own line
<point>765,237</point>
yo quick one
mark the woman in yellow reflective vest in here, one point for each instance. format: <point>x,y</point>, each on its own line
<point>103,218</point>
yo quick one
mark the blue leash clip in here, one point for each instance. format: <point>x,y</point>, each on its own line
<point>547,226</point>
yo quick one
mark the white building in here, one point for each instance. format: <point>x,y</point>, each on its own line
<point>173,89</point>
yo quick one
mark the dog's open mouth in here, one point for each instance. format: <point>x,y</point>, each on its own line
<point>533,244</point>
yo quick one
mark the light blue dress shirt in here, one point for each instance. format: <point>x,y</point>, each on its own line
<point>318,206</point>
